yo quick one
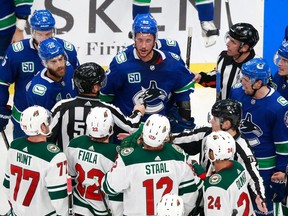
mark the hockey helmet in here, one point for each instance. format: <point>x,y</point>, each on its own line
<point>42,20</point>
<point>222,144</point>
<point>156,130</point>
<point>282,52</point>
<point>228,109</point>
<point>170,205</point>
<point>32,118</point>
<point>145,23</point>
<point>49,49</point>
<point>257,69</point>
<point>100,122</point>
<point>245,33</point>
<point>87,75</point>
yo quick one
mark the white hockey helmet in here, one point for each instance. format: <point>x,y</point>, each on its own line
<point>222,144</point>
<point>170,205</point>
<point>156,130</point>
<point>32,118</point>
<point>99,122</point>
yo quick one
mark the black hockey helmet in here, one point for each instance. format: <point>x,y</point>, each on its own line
<point>87,75</point>
<point>244,32</point>
<point>228,109</point>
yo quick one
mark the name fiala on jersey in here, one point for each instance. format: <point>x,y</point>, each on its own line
<point>87,156</point>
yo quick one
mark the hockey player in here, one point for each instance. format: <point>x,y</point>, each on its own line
<point>264,122</point>
<point>54,82</point>
<point>280,79</point>
<point>170,205</point>
<point>145,73</point>
<point>205,14</point>
<point>226,116</point>
<point>90,157</point>
<point>36,170</point>
<point>240,41</point>
<point>13,17</point>
<point>22,62</point>
<point>225,191</point>
<point>69,115</point>
<point>150,171</point>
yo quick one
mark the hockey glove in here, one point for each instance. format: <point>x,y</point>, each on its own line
<point>178,125</point>
<point>278,190</point>
<point>132,140</point>
<point>5,115</point>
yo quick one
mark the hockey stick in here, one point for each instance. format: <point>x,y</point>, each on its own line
<point>70,196</point>
<point>218,85</point>
<point>5,139</point>
<point>228,13</point>
<point>189,44</point>
<point>103,197</point>
<point>234,212</point>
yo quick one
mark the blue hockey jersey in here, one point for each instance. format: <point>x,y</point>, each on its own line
<point>20,64</point>
<point>45,92</point>
<point>129,80</point>
<point>9,10</point>
<point>265,124</point>
<point>281,83</point>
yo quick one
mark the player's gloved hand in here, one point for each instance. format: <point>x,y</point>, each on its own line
<point>278,188</point>
<point>5,115</point>
<point>132,140</point>
<point>178,125</point>
<point>209,32</point>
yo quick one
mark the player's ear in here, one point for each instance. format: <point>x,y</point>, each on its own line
<point>245,48</point>
<point>44,63</point>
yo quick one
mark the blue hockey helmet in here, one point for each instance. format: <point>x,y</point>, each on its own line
<point>42,20</point>
<point>282,52</point>
<point>145,23</point>
<point>257,69</point>
<point>245,33</point>
<point>49,49</point>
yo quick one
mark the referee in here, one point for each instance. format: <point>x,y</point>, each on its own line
<point>69,115</point>
<point>240,41</point>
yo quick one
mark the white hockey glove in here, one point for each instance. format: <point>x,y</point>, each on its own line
<point>209,32</point>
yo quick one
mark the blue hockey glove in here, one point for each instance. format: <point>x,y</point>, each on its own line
<point>178,125</point>
<point>278,189</point>
<point>5,115</point>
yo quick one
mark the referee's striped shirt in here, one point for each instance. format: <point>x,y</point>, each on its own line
<point>230,73</point>
<point>69,118</point>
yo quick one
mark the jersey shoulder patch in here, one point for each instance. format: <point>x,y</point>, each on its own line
<point>53,148</point>
<point>18,46</point>
<point>178,148</point>
<point>237,85</point>
<point>39,89</point>
<point>215,179</point>
<point>68,46</point>
<point>175,56</point>
<point>281,100</point>
<point>121,57</point>
<point>127,151</point>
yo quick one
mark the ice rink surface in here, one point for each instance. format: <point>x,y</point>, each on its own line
<point>201,102</point>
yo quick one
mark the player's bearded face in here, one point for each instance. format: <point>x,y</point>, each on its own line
<point>57,66</point>
<point>247,85</point>
<point>144,44</point>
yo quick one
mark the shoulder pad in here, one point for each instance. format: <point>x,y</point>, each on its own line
<point>171,42</point>
<point>18,46</point>
<point>126,151</point>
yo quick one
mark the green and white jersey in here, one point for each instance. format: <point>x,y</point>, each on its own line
<point>36,178</point>
<point>226,191</point>
<point>88,163</point>
<point>145,176</point>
